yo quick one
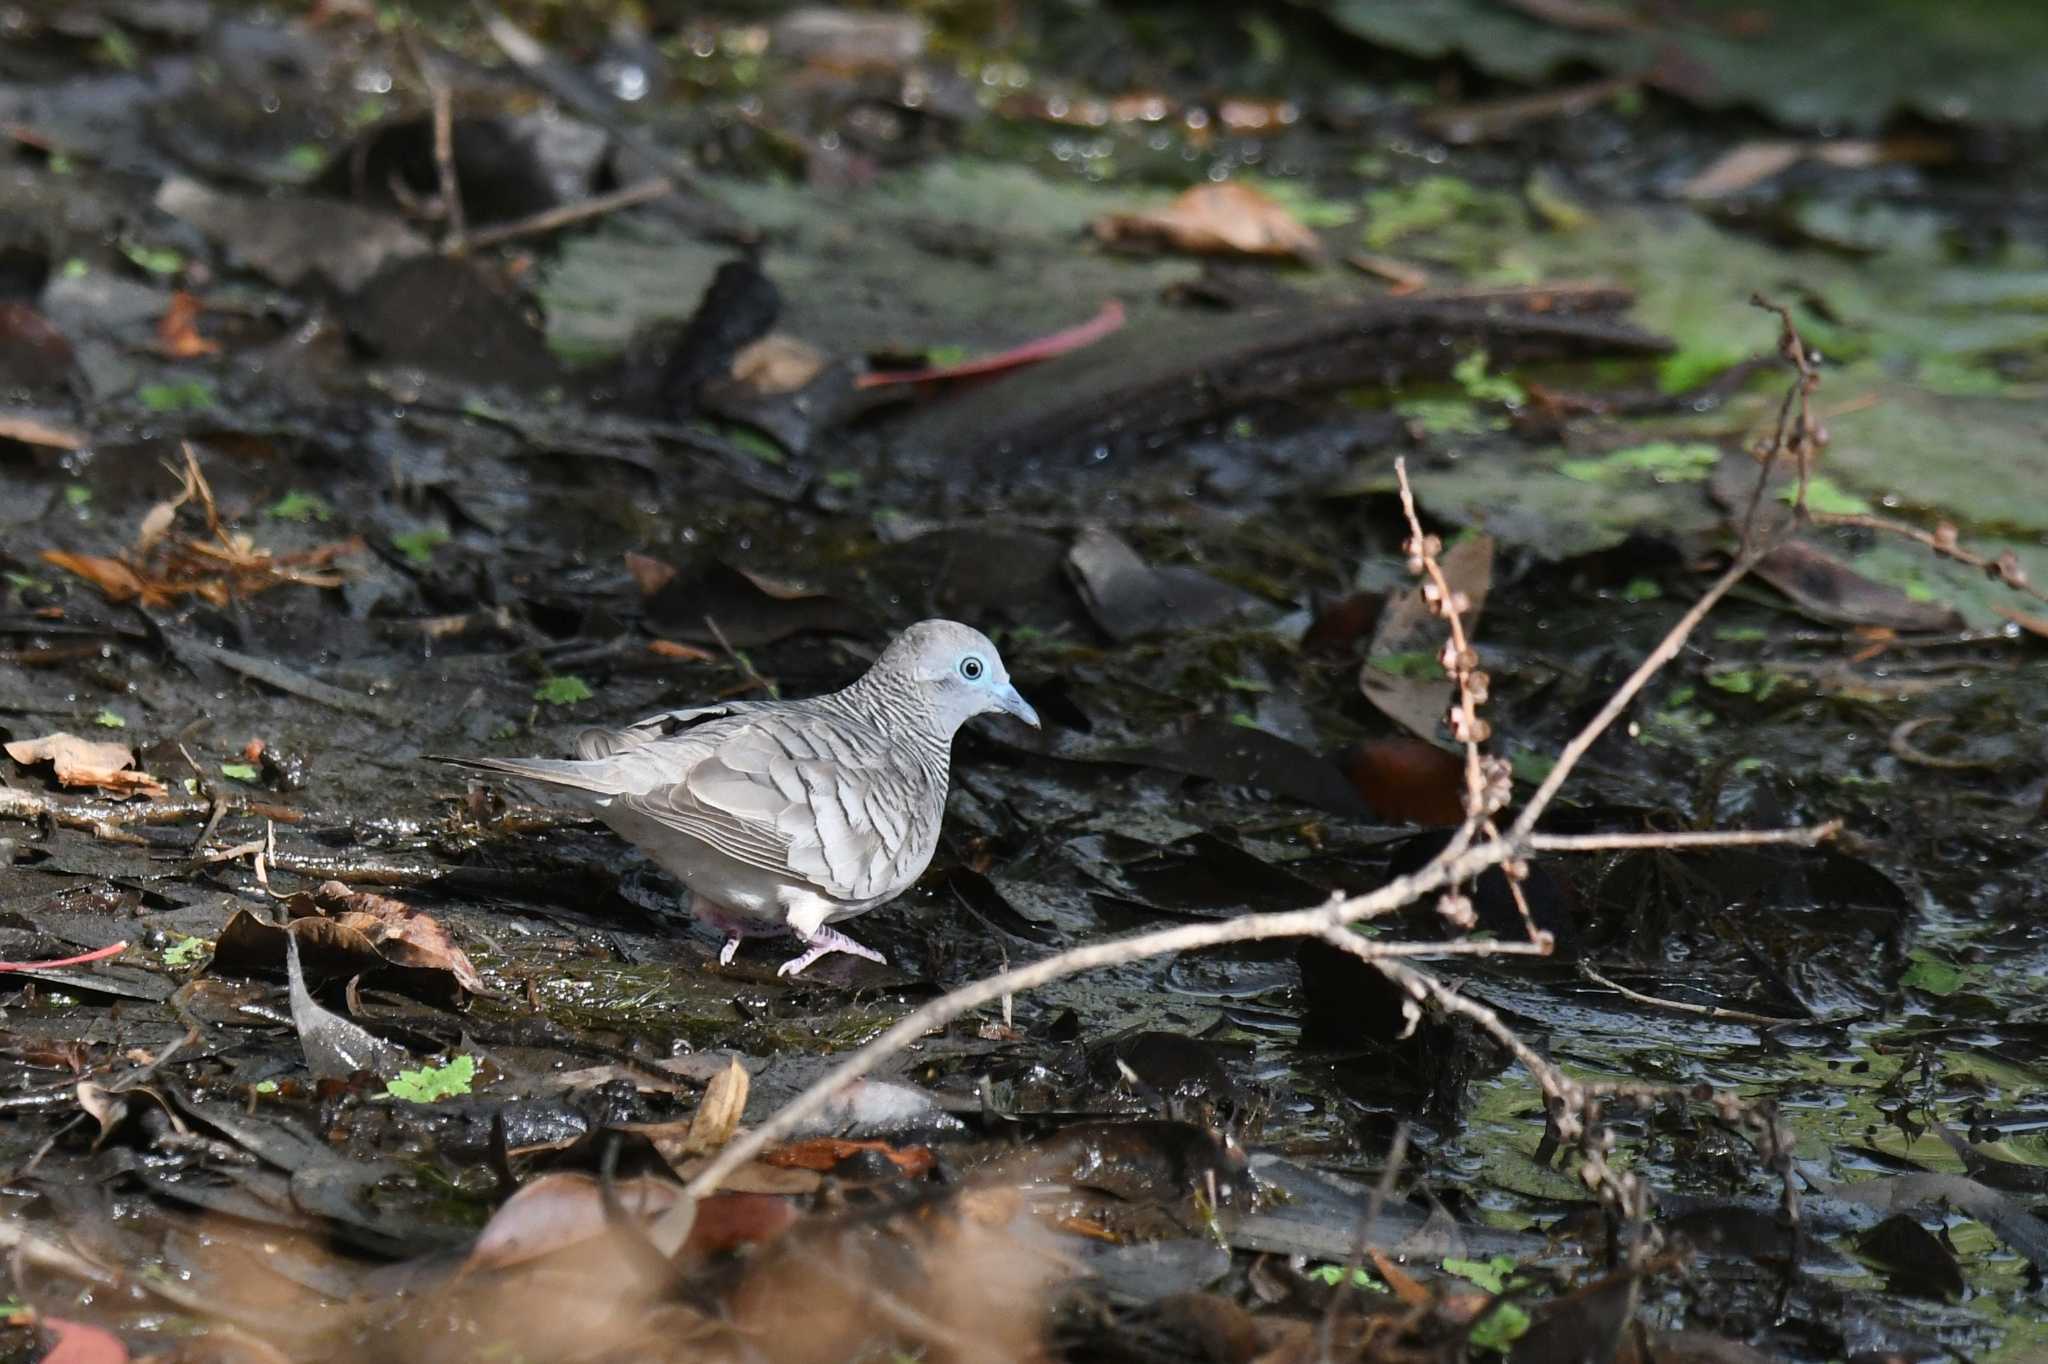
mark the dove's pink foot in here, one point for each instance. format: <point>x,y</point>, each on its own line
<point>726,953</point>
<point>824,941</point>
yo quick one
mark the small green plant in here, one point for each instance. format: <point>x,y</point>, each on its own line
<point>1335,1274</point>
<point>297,505</point>
<point>419,545</point>
<point>185,952</point>
<point>239,771</point>
<point>563,691</point>
<point>1482,387</point>
<point>190,396</point>
<point>107,719</point>
<point>1507,1322</point>
<point>430,1083</point>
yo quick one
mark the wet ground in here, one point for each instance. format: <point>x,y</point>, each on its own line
<point>290,498</point>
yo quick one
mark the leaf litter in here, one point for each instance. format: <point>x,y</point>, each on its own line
<point>1149,524</point>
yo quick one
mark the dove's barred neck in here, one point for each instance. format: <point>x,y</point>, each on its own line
<point>891,703</point>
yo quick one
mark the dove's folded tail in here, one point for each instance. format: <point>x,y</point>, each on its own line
<point>598,777</point>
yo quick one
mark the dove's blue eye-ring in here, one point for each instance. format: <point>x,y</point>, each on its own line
<point>971,668</point>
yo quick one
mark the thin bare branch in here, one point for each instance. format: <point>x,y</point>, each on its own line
<point>565,215</point>
<point>1294,923</point>
<point>1666,650</point>
<point>1678,842</point>
<point>1714,1012</point>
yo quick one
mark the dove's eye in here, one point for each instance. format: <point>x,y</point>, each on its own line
<point>971,668</point>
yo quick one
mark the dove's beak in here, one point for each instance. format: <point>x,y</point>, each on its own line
<point>1010,703</point>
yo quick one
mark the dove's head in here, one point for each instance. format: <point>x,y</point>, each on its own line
<point>957,671</point>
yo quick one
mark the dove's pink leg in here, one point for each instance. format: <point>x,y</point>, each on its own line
<point>732,925</point>
<point>820,943</point>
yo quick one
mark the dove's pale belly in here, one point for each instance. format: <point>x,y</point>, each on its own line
<point>741,896</point>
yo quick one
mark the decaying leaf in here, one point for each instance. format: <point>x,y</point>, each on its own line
<point>1402,676</point>
<point>163,565</point>
<point>351,932</point>
<point>824,1153</point>
<point>336,1047</point>
<point>1228,219</point>
<point>87,762</point>
<point>778,363</point>
<point>718,1115</point>
<point>177,331</point>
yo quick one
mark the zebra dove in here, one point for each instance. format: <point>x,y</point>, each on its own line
<point>794,813</point>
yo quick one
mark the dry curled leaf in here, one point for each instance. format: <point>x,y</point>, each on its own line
<point>165,565</point>
<point>1225,219</point>
<point>718,1115</point>
<point>87,762</point>
<point>778,363</point>
<point>177,331</point>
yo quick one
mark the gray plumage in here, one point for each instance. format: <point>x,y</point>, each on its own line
<point>794,813</point>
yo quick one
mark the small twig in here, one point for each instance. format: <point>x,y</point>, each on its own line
<point>563,215</point>
<point>1943,540</point>
<point>1382,1190</point>
<point>1905,750</point>
<point>1666,650</point>
<point>1677,842</point>
<point>453,241</point>
<point>745,664</point>
<point>1715,1012</point>
<point>1803,438</point>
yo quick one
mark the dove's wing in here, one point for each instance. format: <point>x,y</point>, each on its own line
<point>813,795</point>
<point>606,743</point>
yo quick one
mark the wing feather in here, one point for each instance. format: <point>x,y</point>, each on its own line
<point>821,798</point>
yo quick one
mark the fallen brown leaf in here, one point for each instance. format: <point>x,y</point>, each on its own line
<point>1225,219</point>
<point>401,934</point>
<point>718,1114</point>
<point>112,577</point>
<point>164,565</point>
<point>177,331</point>
<point>688,653</point>
<point>87,762</point>
<point>823,1153</point>
<point>778,363</point>
<point>650,573</point>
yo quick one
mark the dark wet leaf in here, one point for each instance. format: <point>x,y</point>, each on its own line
<point>747,609</point>
<point>286,240</point>
<point>335,1047</point>
<point>1239,756</point>
<point>1129,597</point>
<point>1402,675</point>
<point>738,308</point>
<point>1920,1264</point>
<point>1580,1327</point>
<point>450,317</point>
<point>35,358</point>
<point>1824,587</point>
